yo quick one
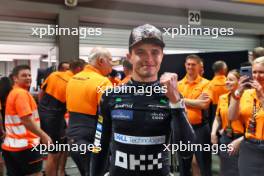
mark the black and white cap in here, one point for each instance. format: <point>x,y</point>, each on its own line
<point>147,34</point>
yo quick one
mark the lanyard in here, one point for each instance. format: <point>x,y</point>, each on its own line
<point>252,121</point>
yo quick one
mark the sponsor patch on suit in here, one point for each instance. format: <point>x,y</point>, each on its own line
<point>122,114</point>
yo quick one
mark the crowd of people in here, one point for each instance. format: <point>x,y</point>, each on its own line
<point>127,129</point>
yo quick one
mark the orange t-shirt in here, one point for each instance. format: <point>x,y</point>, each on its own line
<point>56,83</point>
<point>216,88</point>
<point>192,90</point>
<point>19,104</point>
<point>85,89</point>
<point>222,114</point>
<point>246,113</point>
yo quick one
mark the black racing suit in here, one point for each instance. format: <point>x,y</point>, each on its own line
<point>138,125</point>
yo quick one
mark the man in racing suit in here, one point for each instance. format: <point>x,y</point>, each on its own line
<point>140,116</point>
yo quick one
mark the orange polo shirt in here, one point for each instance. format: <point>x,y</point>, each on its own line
<point>85,89</point>
<point>55,84</point>
<point>216,88</point>
<point>246,111</point>
<point>222,114</point>
<point>192,90</point>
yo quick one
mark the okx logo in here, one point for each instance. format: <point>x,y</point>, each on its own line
<point>138,162</point>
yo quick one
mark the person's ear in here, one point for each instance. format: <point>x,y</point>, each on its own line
<point>14,78</point>
<point>100,61</point>
<point>128,56</point>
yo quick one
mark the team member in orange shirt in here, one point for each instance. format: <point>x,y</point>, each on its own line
<point>250,110</point>
<point>191,87</point>
<point>231,131</point>
<point>52,108</point>
<point>216,87</point>
<point>113,77</point>
<point>83,95</point>
<point>22,128</point>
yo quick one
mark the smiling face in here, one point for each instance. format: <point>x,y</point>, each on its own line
<point>23,78</point>
<point>192,67</point>
<point>258,73</point>
<point>146,60</point>
<point>231,82</point>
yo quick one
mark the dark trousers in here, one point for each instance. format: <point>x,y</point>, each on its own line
<point>81,131</point>
<point>211,116</point>
<point>204,158</point>
<point>251,159</point>
<point>229,164</point>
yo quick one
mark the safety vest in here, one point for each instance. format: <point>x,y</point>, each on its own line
<point>20,104</point>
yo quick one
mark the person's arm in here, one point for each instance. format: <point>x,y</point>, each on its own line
<point>24,111</point>
<point>180,126</point>
<point>215,127</point>
<point>233,109</point>
<point>197,103</point>
<point>31,125</point>
<point>182,131</point>
<point>99,157</point>
<point>40,94</point>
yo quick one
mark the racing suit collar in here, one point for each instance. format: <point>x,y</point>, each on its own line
<point>137,83</point>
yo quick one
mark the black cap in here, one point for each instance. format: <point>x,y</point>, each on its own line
<point>146,33</point>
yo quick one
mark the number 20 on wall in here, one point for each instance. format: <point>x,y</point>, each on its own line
<point>194,17</point>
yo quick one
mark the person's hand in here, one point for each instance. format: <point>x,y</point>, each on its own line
<point>204,96</point>
<point>259,89</point>
<point>221,132</point>
<point>170,80</point>
<point>243,84</point>
<point>45,139</point>
<point>235,147</point>
<point>214,139</point>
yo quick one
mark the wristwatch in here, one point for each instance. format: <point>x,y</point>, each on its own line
<point>237,94</point>
<point>179,104</point>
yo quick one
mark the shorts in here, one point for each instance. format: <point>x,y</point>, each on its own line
<point>51,113</point>
<point>53,123</point>
<point>22,163</point>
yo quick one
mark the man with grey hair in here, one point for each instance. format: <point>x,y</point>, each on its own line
<point>83,94</point>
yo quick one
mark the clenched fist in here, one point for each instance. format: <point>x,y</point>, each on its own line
<point>170,80</point>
